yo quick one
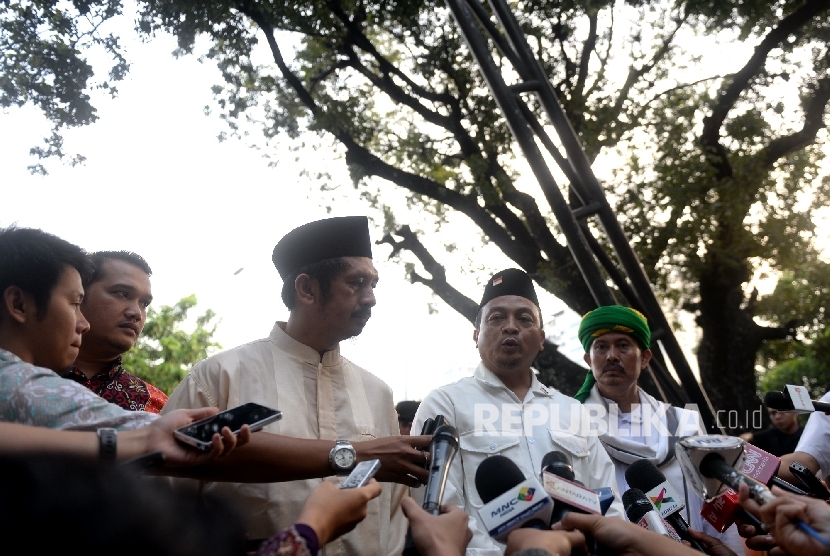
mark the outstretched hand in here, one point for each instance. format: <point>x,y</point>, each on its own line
<point>400,462</point>
<point>332,512</point>
<point>160,438</point>
<point>446,534</point>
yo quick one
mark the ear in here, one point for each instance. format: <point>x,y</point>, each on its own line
<point>306,289</point>
<point>475,336</point>
<point>541,339</point>
<point>646,357</point>
<point>18,304</point>
<point>587,359</point>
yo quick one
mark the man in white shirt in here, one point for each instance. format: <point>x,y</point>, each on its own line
<point>328,286</point>
<point>504,409</point>
<point>616,340</point>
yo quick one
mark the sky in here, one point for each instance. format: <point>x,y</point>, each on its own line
<point>206,215</point>
<point>158,182</point>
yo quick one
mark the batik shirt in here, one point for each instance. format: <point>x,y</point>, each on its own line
<point>36,396</point>
<point>123,389</point>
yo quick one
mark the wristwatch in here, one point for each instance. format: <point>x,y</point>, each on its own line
<point>342,457</point>
<point>108,442</point>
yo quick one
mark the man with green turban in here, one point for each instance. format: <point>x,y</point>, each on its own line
<point>616,340</point>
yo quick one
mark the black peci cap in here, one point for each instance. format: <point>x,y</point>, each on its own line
<point>345,236</point>
<point>511,281</point>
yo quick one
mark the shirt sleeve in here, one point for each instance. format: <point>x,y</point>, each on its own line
<point>815,440</point>
<point>438,403</point>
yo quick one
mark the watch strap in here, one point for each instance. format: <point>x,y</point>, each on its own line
<point>108,442</point>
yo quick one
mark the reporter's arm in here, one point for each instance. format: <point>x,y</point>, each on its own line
<point>626,538</point>
<point>804,459</point>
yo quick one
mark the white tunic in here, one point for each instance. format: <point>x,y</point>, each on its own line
<point>330,399</point>
<point>491,419</point>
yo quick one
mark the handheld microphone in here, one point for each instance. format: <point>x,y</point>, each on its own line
<point>510,501</point>
<point>810,481</point>
<point>558,464</point>
<point>722,511</point>
<point>442,449</point>
<point>783,401</point>
<point>645,476</point>
<point>763,466</point>
<point>567,493</point>
<point>639,510</point>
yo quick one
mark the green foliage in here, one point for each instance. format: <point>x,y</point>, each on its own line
<point>43,61</point>
<point>165,352</point>
<point>811,369</point>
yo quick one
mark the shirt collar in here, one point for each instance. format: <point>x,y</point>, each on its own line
<point>485,375</point>
<point>300,350</point>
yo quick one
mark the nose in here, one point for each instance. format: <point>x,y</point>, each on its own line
<point>134,310</point>
<point>81,325</point>
<point>510,326</point>
<point>613,353</point>
<point>368,298</point>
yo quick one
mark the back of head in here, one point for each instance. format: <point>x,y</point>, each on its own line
<point>34,261</point>
<point>56,504</point>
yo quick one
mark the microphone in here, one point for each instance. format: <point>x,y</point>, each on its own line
<point>810,481</point>
<point>763,466</point>
<point>782,401</point>
<point>557,463</point>
<point>567,493</point>
<point>442,448</point>
<point>722,511</point>
<point>639,510</point>
<point>510,501</point>
<point>645,476</point>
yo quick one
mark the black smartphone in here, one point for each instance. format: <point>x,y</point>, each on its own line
<point>812,483</point>
<point>361,473</point>
<point>199,433</point>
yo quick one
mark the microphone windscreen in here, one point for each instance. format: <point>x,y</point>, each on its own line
<point>644,475</point>
<point>557,463</point>
<point>495,476</point>
<point>636,504</point>
<point>777,400</point>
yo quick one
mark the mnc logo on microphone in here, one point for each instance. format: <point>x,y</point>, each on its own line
<point>526,494</point>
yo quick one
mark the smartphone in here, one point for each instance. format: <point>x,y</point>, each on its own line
<point>361,474</point>
<point>199,433</point>
<point>813,485</point>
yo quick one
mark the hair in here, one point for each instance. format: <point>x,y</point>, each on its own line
<point>34,260</point>
<point>99,509</point>
<point>477,322</point>
<point>98,259</point>
<point>324,272</point>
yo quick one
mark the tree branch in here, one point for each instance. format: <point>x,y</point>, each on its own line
<point>813,122</point>
<point>438,283</point>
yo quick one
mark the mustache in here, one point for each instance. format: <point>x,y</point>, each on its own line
<point>613,367</point>
<point>363,313</point>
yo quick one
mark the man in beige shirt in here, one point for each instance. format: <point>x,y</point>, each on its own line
<point>328,286</point>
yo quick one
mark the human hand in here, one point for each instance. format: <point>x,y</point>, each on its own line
<point>446,534</point>
<point>623,537</point>
<point>555,542</point>
<point>400,462</point>
<point>713,546</point>
<point>332,511</point>
<point>782,516</point>
<point>160,438</point>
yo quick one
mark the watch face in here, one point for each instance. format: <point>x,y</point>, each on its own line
<point>344,458</point>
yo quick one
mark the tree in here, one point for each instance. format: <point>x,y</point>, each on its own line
<point>715,166</point>
<point>165,352</point>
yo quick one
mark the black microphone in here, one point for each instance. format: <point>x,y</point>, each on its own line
<point>639,510</point>
<point>644,475</point>
<point>557,463</point>
<point>442,449</point>
<point>782,402</point>
<point>510,500</point>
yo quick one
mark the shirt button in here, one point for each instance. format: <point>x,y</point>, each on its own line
<point>531,440</point>
<point>493,446</point>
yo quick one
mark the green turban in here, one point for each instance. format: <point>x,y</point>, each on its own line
<point>610,318</point>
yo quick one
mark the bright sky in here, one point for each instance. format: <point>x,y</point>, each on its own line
<point>158,182</point>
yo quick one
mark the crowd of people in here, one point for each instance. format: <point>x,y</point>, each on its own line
<point>90,461</point>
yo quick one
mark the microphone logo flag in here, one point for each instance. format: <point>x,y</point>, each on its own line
<point>661,499</point>
<point>526,494</point>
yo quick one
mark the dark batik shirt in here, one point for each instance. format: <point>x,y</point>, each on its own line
<point>122,388</point>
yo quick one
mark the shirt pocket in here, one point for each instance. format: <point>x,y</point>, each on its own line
<point>475,449</point>
<point>572,445</point>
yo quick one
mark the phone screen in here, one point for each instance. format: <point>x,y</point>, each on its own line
<point>246,414</point>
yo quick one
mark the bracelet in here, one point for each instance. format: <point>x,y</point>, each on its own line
<point>108,441</point>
